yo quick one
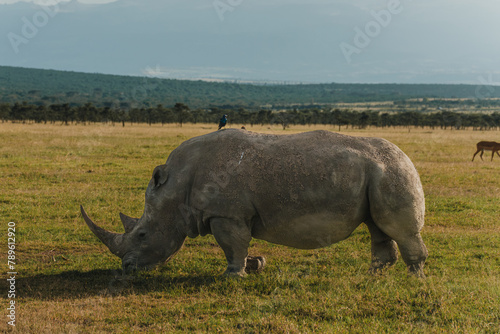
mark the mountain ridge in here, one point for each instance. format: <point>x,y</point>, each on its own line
<point>42,86</point>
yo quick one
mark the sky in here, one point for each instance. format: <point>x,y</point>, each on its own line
<point>309,41</point>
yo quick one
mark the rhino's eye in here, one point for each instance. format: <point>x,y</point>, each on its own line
<point>142,234</point>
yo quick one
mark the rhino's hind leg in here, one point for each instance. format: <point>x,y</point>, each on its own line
<point>234,238</point>
<point>409,241</point>
<point>410,244</point>
<point>384,249</point>
<point>414,254</point>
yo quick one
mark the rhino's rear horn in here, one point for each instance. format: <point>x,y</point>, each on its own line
<point>128,222</point>
<point>112,240</point>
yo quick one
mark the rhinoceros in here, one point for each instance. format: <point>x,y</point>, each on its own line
<point>306,190</point>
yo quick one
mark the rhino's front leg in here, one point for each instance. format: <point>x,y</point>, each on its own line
<point>234,238</point>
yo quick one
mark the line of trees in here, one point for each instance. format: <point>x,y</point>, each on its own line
<point>181,113</point>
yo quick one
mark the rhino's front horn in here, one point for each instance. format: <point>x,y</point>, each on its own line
<point>112,240</point>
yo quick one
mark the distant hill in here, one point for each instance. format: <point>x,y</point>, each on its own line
<point>37,86</point>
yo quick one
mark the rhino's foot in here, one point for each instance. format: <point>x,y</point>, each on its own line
<point>386,258</point>
<point>234,273</point>
<point>255,264</point>
<point>377,268</point>
<point>416,270</point>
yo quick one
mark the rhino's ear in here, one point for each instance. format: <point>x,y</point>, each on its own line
<point>128,222</point>
<point>160,176</point>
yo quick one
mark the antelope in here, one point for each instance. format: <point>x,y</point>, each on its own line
<point>487,146</point>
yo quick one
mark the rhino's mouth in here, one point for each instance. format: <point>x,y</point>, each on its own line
<point>131,265</point>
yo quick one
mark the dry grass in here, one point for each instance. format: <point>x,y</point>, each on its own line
<point>69,283</point>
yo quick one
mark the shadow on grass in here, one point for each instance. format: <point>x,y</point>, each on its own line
<point>76,284</point>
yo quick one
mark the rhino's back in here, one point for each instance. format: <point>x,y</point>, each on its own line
<point>221,145</point>
<point>296,156</point>
<point>283,160</point>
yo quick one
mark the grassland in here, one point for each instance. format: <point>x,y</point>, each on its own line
<point>68,282</point>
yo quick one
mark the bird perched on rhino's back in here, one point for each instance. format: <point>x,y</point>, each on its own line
<point>306,190</point>
<point>222,122</point>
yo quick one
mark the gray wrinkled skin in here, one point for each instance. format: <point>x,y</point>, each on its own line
<point>306,190</point>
